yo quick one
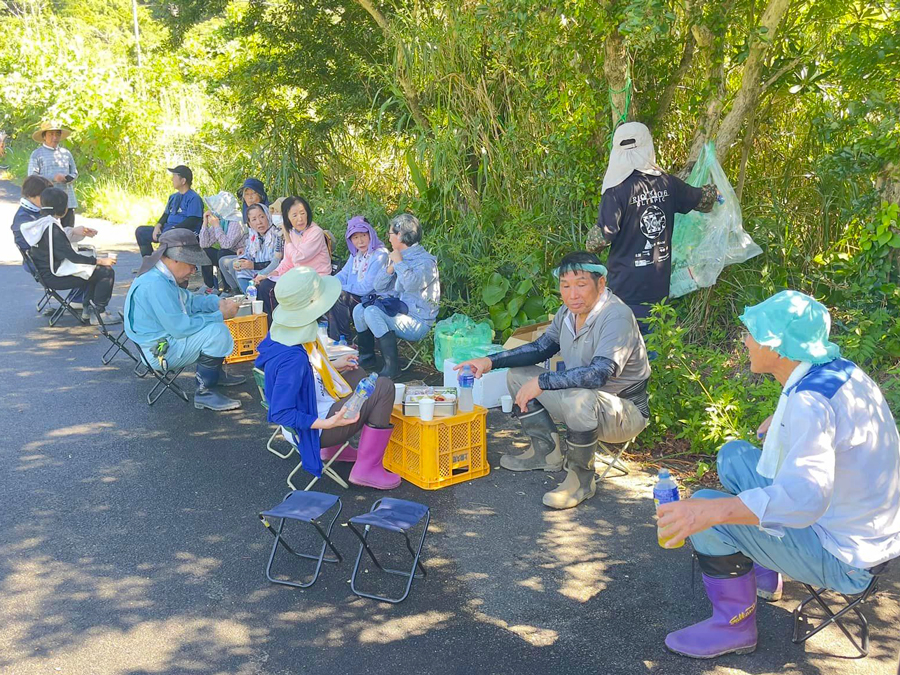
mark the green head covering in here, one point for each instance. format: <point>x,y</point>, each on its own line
<point>794,325</point>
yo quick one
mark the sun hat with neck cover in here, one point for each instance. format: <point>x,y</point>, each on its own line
<point>303,296</point>
<point>632,150</point>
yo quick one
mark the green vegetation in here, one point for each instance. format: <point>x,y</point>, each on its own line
<point>491,121</point>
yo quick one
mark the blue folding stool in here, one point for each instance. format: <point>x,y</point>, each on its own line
<point>394,515</point>
<point>307,507</point>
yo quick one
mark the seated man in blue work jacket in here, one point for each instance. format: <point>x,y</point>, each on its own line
<point>174,327</point>
<point>184,209</point>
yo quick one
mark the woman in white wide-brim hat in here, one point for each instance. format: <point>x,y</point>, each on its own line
<point>307,393</point>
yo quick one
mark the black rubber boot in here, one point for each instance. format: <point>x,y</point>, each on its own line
<point>544,453</point>
<point>388,344</point>
<point>208,371</point>
<point>365,342</point>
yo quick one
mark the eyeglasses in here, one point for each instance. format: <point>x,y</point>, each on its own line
<point>744,335</point>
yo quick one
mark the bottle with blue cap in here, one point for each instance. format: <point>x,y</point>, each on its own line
<point>665,491</point>
<point>251,291</point>
<point>465,389</point>
<point>364,390</point>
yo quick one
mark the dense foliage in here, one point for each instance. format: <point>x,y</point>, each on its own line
<point>491,120</point>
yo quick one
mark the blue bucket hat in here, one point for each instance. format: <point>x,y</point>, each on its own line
<point>794,325</point>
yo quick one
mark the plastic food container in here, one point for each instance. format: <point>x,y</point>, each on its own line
<point>444,400</point>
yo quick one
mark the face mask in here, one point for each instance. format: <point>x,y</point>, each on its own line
<point>277,220</point>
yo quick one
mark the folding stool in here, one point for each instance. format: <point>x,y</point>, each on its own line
<point>393,515</point>
<point>853,604</point>
<point>306,507</point>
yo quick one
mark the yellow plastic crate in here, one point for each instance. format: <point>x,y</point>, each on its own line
<point>445,451</point>
<point>248,332</point>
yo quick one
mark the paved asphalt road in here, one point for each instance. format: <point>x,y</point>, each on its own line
<point>129,545</point>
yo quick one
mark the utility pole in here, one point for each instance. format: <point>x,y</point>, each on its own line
<point>137,34</point>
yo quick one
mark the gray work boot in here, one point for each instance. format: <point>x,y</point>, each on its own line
<point>208,372</point>
<point>580,482</point>
<point>544,453</point>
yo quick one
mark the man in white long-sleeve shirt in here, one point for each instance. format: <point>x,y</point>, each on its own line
<point>820,503</point>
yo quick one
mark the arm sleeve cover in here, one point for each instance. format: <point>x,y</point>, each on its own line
<point>592,376</point>
<point>526,355</point>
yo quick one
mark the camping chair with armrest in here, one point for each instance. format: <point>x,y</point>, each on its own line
<point>49,293</point>
<point>259,377</point>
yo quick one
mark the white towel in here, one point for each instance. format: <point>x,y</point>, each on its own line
<point>774,451</point>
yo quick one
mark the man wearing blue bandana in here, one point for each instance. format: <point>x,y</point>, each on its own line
<point>820,503</point>
<point>601,395</point>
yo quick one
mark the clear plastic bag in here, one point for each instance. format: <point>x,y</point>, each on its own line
<point>704,243</point>
<point>459,338</point>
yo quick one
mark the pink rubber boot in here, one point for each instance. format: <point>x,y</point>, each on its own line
<point>348,455</point>
<point>369,468</point>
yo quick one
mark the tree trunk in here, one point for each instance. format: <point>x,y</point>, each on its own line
<point>691,9</point>
<point>710,118</point>
<point>751,81</point>
<point>747,97</point>
<point>406,86</point>
<point>615,68</point>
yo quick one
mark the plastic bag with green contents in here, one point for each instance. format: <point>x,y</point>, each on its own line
<point>460,338</point>
<point>704,243</point>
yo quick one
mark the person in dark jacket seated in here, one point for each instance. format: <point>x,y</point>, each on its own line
<point>307,393</point>
<point>184,209</point>
<point>61,267</point>
<point>601,395</point>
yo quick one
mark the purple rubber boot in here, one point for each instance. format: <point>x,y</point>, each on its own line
<point>732,627</point>
<point>348,455</point>
<point>768,583</point>
<point>369,468</point>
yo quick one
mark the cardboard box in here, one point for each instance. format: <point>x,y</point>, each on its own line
<point>525,334</point>
<point>488,388</point>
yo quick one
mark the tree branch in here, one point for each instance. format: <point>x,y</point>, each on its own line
<point>406,85</point>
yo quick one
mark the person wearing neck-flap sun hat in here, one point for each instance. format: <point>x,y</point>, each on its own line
<point>307,393</point>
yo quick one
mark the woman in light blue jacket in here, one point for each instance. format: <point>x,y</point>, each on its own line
<point>368,256</point>
<point>408,295</point>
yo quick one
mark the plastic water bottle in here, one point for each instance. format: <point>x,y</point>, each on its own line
<point>665,491</point>
<point>363,391</point>
<point>466,381</point>
<point>251,292</point>
<point>343,341</point>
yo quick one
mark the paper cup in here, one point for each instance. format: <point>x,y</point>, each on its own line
<point>399,391</point>
<point>113,256</point>
<point>426,409</point>
<point>257,306</point>
<point>506,403</point>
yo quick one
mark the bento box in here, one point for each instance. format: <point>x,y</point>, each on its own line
<point>444,400</point>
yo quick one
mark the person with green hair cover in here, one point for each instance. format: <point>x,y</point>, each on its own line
<point>819,503</point>
<point>601,395</point>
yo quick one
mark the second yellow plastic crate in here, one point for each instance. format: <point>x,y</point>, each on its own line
<point>445,451</point>
<point>248,332</point>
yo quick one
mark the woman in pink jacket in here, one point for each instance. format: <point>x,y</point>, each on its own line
<point>305,245</point>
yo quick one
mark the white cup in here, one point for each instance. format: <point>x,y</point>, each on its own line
<point>506,403</point>
<point>113,256</point>
<point>426,409</point>
<point>257,306</point>
<point>399,391</point>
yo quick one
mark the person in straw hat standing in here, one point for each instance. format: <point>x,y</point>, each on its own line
<point>307,392</point>
<point>56,164</point>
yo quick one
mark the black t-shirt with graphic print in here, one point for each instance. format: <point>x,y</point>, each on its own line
<point>637,217</point>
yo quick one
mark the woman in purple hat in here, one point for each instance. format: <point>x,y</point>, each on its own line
<point>367,257</point>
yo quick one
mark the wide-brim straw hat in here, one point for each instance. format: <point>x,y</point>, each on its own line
<point>38,135</point>
<point>303,296</point>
